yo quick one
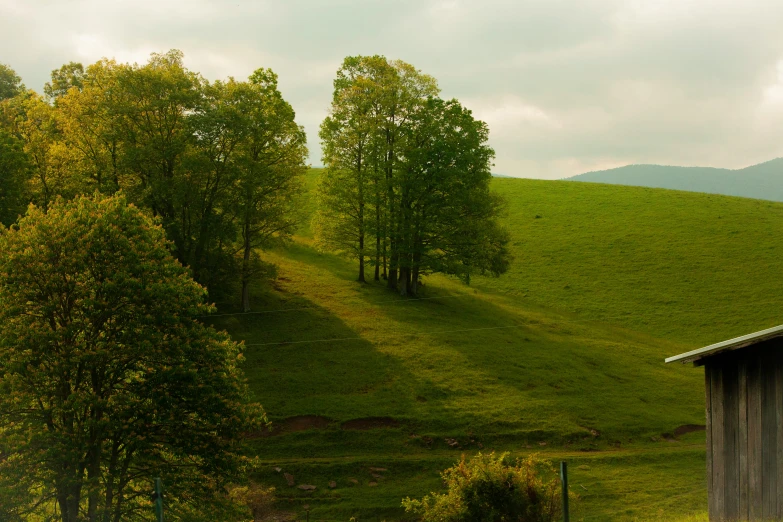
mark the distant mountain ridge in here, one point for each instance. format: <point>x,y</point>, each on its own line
<point>762,181</point>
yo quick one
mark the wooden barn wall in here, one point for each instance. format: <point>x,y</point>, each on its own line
<point>744,397</point>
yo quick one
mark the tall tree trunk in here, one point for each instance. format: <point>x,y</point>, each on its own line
<point>377,221</point>
<point>391,282</point>
<point>418,248</point>
<point>360,179</point>
<point>111,477</point>
<point>93,477</point>
<point>384,254</point>
<point>404,280</point>
<point>404,243</point>
<point>246,263</point>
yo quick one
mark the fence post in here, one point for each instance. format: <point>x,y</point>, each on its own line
<point>564,481</point>
<point>158,498</point>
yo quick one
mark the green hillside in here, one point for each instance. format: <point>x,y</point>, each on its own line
<point>564,355</point>
<point>762,181</point>
<point>686,267</point>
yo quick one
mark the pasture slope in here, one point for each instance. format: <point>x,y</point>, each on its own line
<point>562,356</point>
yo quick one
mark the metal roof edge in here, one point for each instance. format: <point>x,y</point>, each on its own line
<point>731,344</point>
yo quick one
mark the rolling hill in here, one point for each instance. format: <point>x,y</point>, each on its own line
<point>762,181</point>
<point>563,355</point>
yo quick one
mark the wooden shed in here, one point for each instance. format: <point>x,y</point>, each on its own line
<point>744,400</point>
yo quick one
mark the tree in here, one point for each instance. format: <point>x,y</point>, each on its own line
<point>107,377</point>
<point>70,75</point>
<point>218,163</point>
<point>14,169</point>
<point>55,166</point>
<point>418,165</point>
<point>150,113</point>
<point>346,136</point>
<point>271,164</point>
<point>448,212</point>
<point>489,488</point>
<point>10,83</point>
<point>87,124</point>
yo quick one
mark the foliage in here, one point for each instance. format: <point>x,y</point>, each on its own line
<point>219,163</point>
<point>107,376</point>
<point>70,75</point>
<point>488,488</point>
<point>14,168</point>
<point>409,171</point>
<point>258,499</point>
<point>10,83</point>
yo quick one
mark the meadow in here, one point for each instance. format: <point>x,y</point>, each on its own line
<point>562,356</point>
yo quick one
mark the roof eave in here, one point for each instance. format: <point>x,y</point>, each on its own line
<point>695,356</point>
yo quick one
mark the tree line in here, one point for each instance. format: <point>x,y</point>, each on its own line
<point>219,163</point>
<point>148,184</point>
<point>406,184</point>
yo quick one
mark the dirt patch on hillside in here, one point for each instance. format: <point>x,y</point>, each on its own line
<point>688,428</point>
<point>370,423</point>
<point>293,424</point>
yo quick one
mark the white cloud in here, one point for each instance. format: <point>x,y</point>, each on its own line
<point>564,85</point>
<point>509,114</point>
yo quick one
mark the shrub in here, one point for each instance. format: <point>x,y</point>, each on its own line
<point>490,488</point>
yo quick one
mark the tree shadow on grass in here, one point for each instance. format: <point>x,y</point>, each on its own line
<point>339,376</point>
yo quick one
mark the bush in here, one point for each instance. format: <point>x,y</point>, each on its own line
<point>490,488</point>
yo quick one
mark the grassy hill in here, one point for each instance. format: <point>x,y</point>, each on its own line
<point>563,355</point>
<point>762,181</point>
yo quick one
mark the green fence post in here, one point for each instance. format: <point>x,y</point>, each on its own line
<point>158,499</point>
<point>564,481</point>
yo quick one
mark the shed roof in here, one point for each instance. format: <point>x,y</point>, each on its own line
<point>731,344</point>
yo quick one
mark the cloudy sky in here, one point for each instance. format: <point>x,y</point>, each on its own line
<point>566,86</point>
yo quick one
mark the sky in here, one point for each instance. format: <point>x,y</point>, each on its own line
<point>566,86</point>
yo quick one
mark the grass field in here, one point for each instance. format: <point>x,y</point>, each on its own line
<point>562,356</point>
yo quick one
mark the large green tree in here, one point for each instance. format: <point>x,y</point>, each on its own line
<point>410,169</point>
<point>107,376</point>
<point>219,163</point>
<point>271,163</point>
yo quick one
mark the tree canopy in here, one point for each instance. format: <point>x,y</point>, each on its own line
<point>411,172</point>
<point>107,377</point>
<point>10,83</point>
<point>14,170</point>
<point>219,163</point>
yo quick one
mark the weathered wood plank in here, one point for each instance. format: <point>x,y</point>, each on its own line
<point>769,439</point>
<point>718,460</point>
<point>730,435</point>
<point>711,510</point>
<point>742,442</point>
<point>754,440</point>
<point>779,430</point>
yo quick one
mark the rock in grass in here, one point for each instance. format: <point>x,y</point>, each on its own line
<point>353,481</point>
<point>332,484</point>
<point>306,487</point>
<point>372,484</point>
